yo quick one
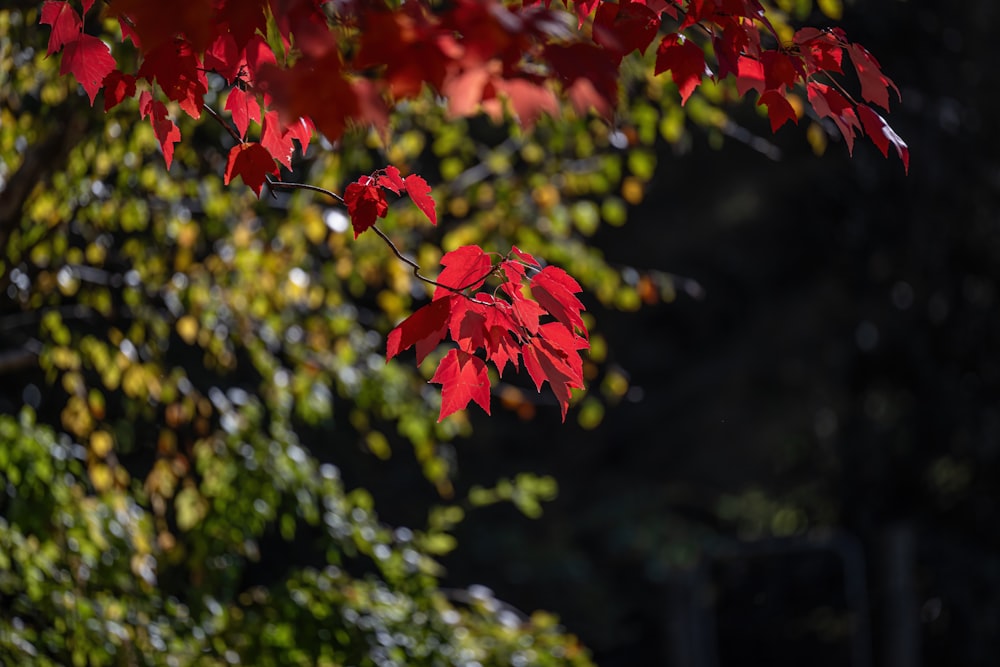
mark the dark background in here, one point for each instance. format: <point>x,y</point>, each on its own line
<point>806,469</point>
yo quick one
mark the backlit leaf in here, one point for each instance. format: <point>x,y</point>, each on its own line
<point>117,88</point>
<point>465,268</point>
<point>277,142</point>
<point>425,328</point>
<point>244,108</point>
<point>66,24</point>
<point>779,109</point>
<point>463,378</point>
<point>874,84</point>
<point>166,131</point>
<point>178,71</point>
<point>685,60</point>
<point>365,203</point>
<point>89,60</point>
<point>420,193</point>
<point>555,290</point>
<point>391,180</point>
<point>882,135</point>
<point>251,162</point>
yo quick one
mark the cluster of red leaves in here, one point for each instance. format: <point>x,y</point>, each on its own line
<point>365,198</point>
<point>347,62</point>
<point>295,66</point>
<point>814,57</point>
<point>541,328</point>
<point>545,332</point>
<point>84,56</point>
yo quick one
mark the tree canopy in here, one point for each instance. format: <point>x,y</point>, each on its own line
<point>204,365</point>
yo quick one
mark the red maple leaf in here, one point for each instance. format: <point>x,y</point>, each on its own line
<point>411,47</point>
<point>419,192</point>
<point>780,70</point>
<point>588,75</point>
<point>89,60</point>
<point>244,18</point>
<point>331,106</point>
<point>738,39</point>
<point>223,57</point>
<point>425,328</point>
<point>128,32</point>
<point>554,289</point>
<point>779,109</point>
<point>161,22</point>
<point>468,323</point>
<point>275,140</point>
<point>391,180</point>
<point>491,31</point>
<point>874,84</point>
<point>66,24</point>
<point>882,135</point>
<point>257,55</point>
<point>302,22</point>
<point>117,87</point>
<point>466,267</point>
<point>166,132</point>
<point>528,99</point>
<point>749,75</point>
<point>668,7</point>
<point>251,162</point>
<point>828,103</point>
<point>685,60</point>
<point>244,107</point>
<point>526,312</point>
<point>301,131</point>
<point>823,50</point>
<point>625,27</point>
<point>569,344</point>
<point>463,378</point>
<point>583,9</point>
<point>365,202</point>
<point>547,362</point>
<point>515,272</point>
<point>527,258</point>
<point>698,10</point>
<point>501,346</point>
<point>501,349</point>
<point>464,89</point>
<point>178,70</point>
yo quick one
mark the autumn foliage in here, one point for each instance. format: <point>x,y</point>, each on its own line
<point>297,67</point>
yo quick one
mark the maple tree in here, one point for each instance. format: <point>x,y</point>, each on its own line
<point>296,67</point>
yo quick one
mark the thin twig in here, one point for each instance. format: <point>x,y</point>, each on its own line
<point>226,126</point>
<point>416,270</point>
<point>403,258</point>
<point>284,185</point>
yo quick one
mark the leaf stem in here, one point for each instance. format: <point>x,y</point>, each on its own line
<point>225,126</point>
<point>416,270</point>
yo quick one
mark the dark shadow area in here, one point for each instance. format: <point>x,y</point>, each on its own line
<point>836,387</point>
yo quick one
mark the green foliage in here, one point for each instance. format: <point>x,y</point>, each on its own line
<point>86,580</point>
